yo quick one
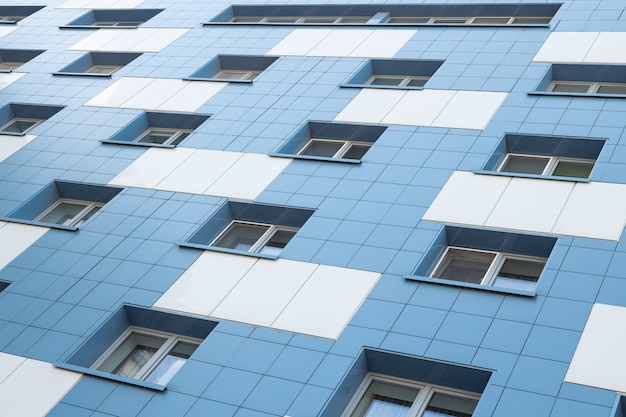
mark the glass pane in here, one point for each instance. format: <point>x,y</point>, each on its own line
<point>102,69</point>
<point>417,82</point>
<point>449,405</point>
<point>409,19</point>
<point>82,219</point>
<point>248,19</point>
<point>383,399</point>
<point>519,274</point>
<point>179,138</point>
<point>277,242</point>
<point>570,87</point>
<point>450,20</point>
<point>282,19</point>
<point>128,359</point>
<point>612,89</point>
<point>19,125</point>
<point>525,164</point>
<point>172,362</point>
<point>386,80</point>
<point>64,213</point>
<point>355,19</point>
<point>157,136</point>
<point>8,65</point>
<point>464,265</point>
<point>241,236</point>
<point>575,169</point>
<point>356,151</point>
<point>536,20</point>
<point>319,19</point>
<point>232,75</point>
<point>326,148</point>
<point>491,20</point>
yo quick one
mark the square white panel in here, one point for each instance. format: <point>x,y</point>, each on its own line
<point>34,388</point>
<point>566,47</point>
<point>327,301</point>
<point>129,40</point>
<point>264,291</point>
<point>419,107</point>
<point>9,78</point>
<point>596,210</point>
<point>11,144</point>
<point>191,96</point>
<point>8,364</point>
<point>530,204</point>
<point>339,43</point>
<point>299,42</point>
<point>248,176</point>
<point>122,90</point>
<point>370,105</point>
<point>154,94</point>
<point>383,43</point>
<point>608,49</point>
<point>599,358</point>
<point>100,4</point>
<point>470,110</point>
<point>5,30</point>
<point>95,40</point>
<point>21,236</point>
<point>205,283</point>
<point>476,194</point>
<point>152,167</point>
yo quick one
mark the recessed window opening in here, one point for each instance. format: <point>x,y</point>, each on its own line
<point>255,237</point>
<point>102,69</point>
<point>69,212</point>
<point>587,87</point>
<point>237,74</point>
<point>335,148</point>
<point>164,136</point>
<point>20,125</point>
<point>398,80</point>
<point>114,23</point>
<point>548,166</point>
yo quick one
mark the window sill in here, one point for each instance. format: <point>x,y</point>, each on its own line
<point>96,27</point>
<point>539,177</point>
<point>315,158</point>
<point>106,375</point>
<point>12,133</point>
<point>81,74</point>
<point>43,224</point>
<point>382,87</point>
<point>141,144</point>
<point>470,285</point>
<point>5,71</point>
<point>484,25</point>
<point>588,95</point>
<point>225,250</point>
<point>8,22</point>
<point>221,80</point>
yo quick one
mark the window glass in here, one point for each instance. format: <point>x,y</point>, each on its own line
<point>133,354</point>
<point>8,65</point>
<point>464,265</point>
<point>64,213</point>
<point>408,19</point>
<point>491,20</point>
<point>18,125</point>
<point>570,87</point>
<point>327,148</point>
<point>383,399</point>
<point>171,363</point>
<point>163,136</point>
<point>441,405</point>
<point>577,169</point>
<point>535,20</point>
<point>356,151</point>
<point>612,89</point>
<point>379,80</point>
<point>277,242</point>
<point>241,236</point>
<point>525,164</point>
<point>102,69</point>
<point>417,82</point>
<point>520,274</point>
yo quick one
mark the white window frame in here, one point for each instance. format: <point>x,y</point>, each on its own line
<point>37,122</point>
<point>262,241</point>
<point>551,165</point>
<point>405,80</point>
<point>332,20</point>
<point>145,371</point>
<point>116,23</point>
<point>110,69</point>
<point>347,144</point>
<point>78,218</point>
<point>176,134</point>
<point>495,267</point>
<point>592,87</point>
<point>426,391</point>
<point>245,74</point>
<point>462,20</point>
<point>10,65</point>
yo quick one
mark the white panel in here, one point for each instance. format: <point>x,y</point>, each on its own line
<point>154,94</point>
<point>100,4</point>
<point>158,39</point>
<point>470,110</point>
<point>339,43</point>
<point>596,210</point>
<point>129,40</point>
<point>191,96</point>
<point>264,291</point>
<point>476,194</point>
<point>299,42</point>
<point>566,47</point>
<point>20,236</point>
<point>95,41</point>
<point>249,176</point>
<point>530,204</point>
<point>205,284</point>
<point>151,167</point>
<point>383,43</point>
<point>419,108</point>
<point>608,48</point>
<point>34,388</point>
<point>11,144</point>
<point>122,90</point>
<point>6,30</point>
<point>370,105</point>
<point>327,302</point>
<point>599,358</point>
<point>199,171</point>
<point>9,78</point>
<point>8,364</point>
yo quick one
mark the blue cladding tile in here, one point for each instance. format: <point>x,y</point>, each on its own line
<point>477,302</point>
<point>538,375</point>
<point>307,360</point>
<point>377,314</point>
<point>231,386</point>
<point>551,343</point>
<point>204,407</point>
<point>563,408</point>
<point>507,336</point>
<point>255,355</point>
<point>264,398</point>
<point>89,392</point>
<point>516,403</point>
<point>167,403</point>
<point>463,328</point>
<point>419,321</point>
<point>586,261</point>
<point>564,314</point>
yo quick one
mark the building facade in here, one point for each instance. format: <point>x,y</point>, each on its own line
<point>344,209</point>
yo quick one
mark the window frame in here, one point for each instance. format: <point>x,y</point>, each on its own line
<point>347,145</point>
<point>174,140</point>
<point>145,371</point>
<point>36,122</point>
<point>424,395</point>
<point>405,80</point>
<point>248,75</point>
<point>110,69</point>
<point>550,167</point>
<point>489,278</point>
<point>261,242</point>
<point>593,87</point>
<point>78,219</point>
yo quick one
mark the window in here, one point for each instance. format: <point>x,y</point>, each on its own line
<point>340,142</point>
<point>393,14</point>
<point>584,79</point>
<point>158,129</point>
<point>98,64</point>
<point>147,355</point>
<point>546,156</point>
<point>18,119</point>
<point>394,73</point>
<point>490,268</point>
<point>11,59</point>
<point>64,205</point>
<point>254,229</point>
<point>69,212</point>
<point>113,18</point>
<point>233,68</point>
<point>486,259</point>
<point>381,395</point>
<point>13,14</point>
